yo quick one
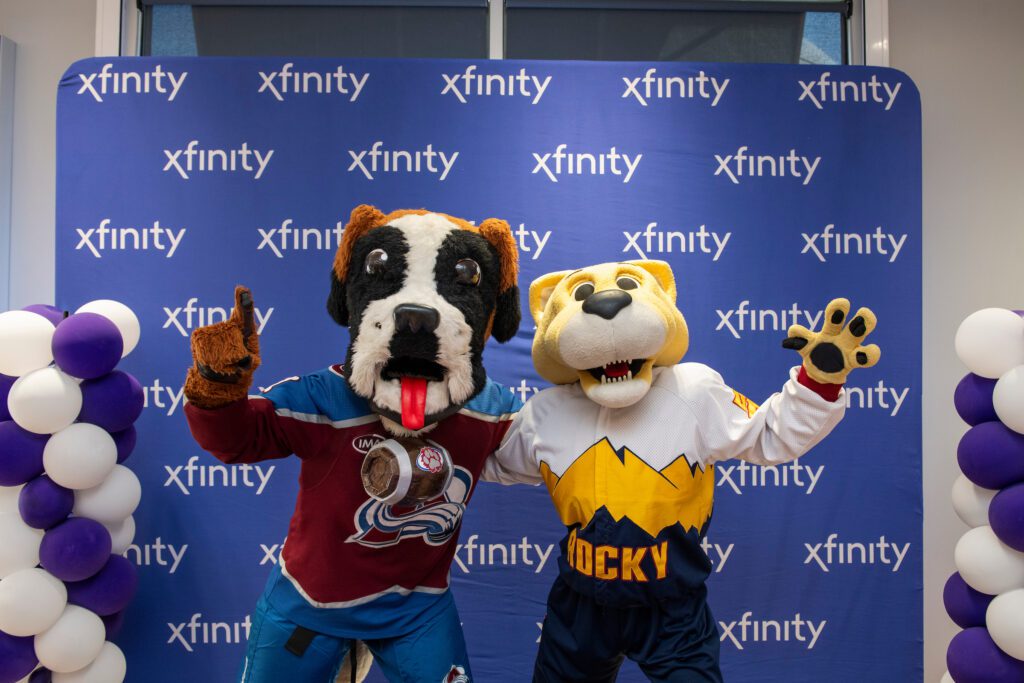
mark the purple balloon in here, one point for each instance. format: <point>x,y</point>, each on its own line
<point>973,399</point>
<point>113,402</point>
<point>87,345</point>
<point>114,623</point>
<point>109,591</point>
<point>964,605</point>
<point>17,657</point>
<point>5,388</point>
<point>44,503</point>
<point>992,455</point>
<point>973,657</point>
<point>1006,515</point>
<point>51,313</point>
<point>75,550</point>
<point>21,454</point>
<point>125,442</point>
<point>41,676</point>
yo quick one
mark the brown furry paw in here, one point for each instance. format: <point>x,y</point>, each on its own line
<point>224,355</point>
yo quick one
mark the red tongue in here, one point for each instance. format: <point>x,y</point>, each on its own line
<point>414,401</point>
<point>616,369</point>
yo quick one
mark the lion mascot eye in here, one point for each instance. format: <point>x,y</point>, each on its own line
<point>582,291</point>
<point>467,272</point>
<point>627,282</point>
<point>376,261</point>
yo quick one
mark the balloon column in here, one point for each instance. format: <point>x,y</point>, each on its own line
<point>985,596</point>
<point>66,501</point>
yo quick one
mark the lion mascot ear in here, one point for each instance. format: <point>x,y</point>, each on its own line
<point>363,219</point>
<point>505,322</point>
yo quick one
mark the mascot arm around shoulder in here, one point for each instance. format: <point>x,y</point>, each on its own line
<point>626,444</point>
<point>421,293</point>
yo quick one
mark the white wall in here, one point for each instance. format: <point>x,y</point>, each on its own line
<point>967,58</point>
<point>49,35</point>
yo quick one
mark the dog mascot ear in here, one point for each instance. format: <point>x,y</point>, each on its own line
<point>506,311</point>
<point>363,219</point>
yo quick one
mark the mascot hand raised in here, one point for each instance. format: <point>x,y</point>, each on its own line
<point>224,357</point>
<point>830,355</point>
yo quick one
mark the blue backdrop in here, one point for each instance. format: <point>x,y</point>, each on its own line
<point>770,189</point>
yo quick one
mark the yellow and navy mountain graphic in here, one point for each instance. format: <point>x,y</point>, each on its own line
<point>627,487</point>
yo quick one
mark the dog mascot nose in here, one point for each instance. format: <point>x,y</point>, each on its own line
<point>608,303</point>
<point>414,318</point>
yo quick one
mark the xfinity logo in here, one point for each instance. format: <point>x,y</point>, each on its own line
<point>104,238</point>
<point>224,160</point>
<point>288,82</point>
<point>717,555</point>
<point>523,390</point>
<point>195,632</point>
<point>825,90</point>
<point>746,319</point>
<point>744,475</point>
<point>401,161</point>
<point>271,553</point>
<point>106,82</point>
<point>287,238</point>
<point>877,397</point>
<point>153,554</point>
<point>827,243</point>
<point>649,86</point>
<point>746,629</point>
<point>193,475</point>
<point>584,163</point>
<point>742,164</point>
<point>471,553</point>
<point>184,318</point>
<point>468,84</point>
<point>163,397</point>
<point>531,237</point>
<point>364,443</point>
<point>649,240</point>
<point>824,555</point>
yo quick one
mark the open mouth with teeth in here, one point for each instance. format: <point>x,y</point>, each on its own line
<point>617,371</point>
<point>413,373</point>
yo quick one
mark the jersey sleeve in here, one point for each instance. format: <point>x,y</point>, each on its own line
<point>515,462</point>
<point>787,425</point>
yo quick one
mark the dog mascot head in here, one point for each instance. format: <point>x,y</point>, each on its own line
<point>606,327</point>
<point>420,293</point>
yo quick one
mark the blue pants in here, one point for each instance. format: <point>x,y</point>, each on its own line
<point>434,653</point>
<point>585,642</point>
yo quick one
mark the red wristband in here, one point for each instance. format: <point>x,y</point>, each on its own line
<point>829,392</point>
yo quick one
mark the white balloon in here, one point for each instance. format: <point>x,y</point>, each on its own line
<point>24,342</point>
<point>991,341</point>
<point>19,545</point>
<point>9,498</point>
<point>1005,621</point>
<point>121,535</point>
<point>1008,398</point>
<point>80,456</point>
<point>112,501</point>
<point>971,501</point>
<point>108,667</point>
<point>987,564</point>
<point>73,642</point>
<point>31,601</point>
<point>44,401</point>
<point>946,678</point>
<point>119,314</point>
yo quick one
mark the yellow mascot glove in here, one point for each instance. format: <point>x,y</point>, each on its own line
<point>831,354</point>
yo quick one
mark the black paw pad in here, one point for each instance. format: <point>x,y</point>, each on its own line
<point>858,327</point>
<point>862,357</point>
<point>827,357</point>
<point>837,317</point>
<point>795,343</point>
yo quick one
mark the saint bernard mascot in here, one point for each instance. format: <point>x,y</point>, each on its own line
<point>420,293</point>
<point>626,445</point>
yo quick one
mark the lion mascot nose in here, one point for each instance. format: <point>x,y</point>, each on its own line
<point>608,303</point>
<point>413,318</point>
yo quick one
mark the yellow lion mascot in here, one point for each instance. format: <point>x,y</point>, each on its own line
<point>626,444</point>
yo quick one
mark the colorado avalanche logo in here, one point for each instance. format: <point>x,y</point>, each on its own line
<point>436,522</point>
<point>456,675</point>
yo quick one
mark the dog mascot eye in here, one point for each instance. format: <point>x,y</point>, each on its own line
<point>582,291</point>
<point>376,261</point>
<point>626,282</point>
<point>467,272</point>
